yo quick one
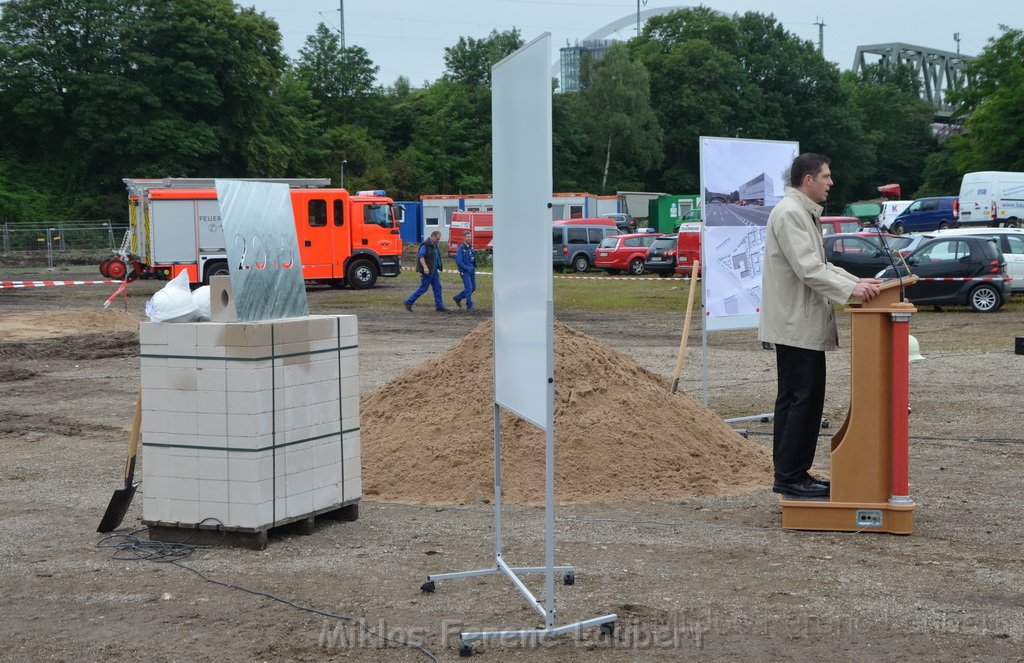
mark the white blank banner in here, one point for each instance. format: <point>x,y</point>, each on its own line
<point>523,303</point>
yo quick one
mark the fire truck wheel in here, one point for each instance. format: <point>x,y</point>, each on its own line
<point>103,268</point>
<point>361,274</point>
<point>216,269</point>
<point>116,269</point>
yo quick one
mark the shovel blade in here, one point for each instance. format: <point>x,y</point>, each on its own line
<point>118,507</point>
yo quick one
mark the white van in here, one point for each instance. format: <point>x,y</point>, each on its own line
<point>991,198</point>
<point>890,210</point>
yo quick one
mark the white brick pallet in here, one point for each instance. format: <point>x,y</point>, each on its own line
<point>253,424</point>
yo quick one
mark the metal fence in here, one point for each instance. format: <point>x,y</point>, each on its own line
<point>61,236</point>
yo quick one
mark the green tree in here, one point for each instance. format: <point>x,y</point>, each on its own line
<point>994,107</point>
<point>470,60</point>
<point>743,76</point>
<point>103,89</point>
<point>896,129</point>
<point>450,143</point>
<point>446,126</point>
<point>618,120</point>
<point>569,144</point>
<point>990,107</point>
<point>940,173</point>
<point>340,78</point>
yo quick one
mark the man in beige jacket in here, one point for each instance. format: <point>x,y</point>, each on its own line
<point>800,289</point>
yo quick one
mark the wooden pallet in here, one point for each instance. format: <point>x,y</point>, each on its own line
<point>212,533</point>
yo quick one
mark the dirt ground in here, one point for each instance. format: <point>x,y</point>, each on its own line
<point>709,578</point>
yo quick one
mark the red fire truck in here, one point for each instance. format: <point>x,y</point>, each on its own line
<point>175,226</point>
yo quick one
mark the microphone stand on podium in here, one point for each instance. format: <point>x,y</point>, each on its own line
<point>870,489</point>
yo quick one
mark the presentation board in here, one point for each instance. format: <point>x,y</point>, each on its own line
<point>741,181</point>
<point>523,303</point>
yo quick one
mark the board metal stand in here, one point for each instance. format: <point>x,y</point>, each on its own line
<point>870,489</point>
<point>547,609</point>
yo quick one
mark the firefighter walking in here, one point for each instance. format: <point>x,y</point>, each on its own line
<point>465,258</point>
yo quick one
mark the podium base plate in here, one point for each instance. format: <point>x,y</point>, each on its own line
<point>828,516</point>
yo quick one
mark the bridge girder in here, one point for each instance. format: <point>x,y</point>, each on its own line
<point>938,71</point>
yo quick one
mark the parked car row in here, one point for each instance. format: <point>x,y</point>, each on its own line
<point>950,262</point>
<point>977,267</point>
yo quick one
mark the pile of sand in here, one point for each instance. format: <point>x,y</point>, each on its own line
<point>620,435</point>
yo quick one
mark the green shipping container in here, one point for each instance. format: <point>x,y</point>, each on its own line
<point>665,213</point>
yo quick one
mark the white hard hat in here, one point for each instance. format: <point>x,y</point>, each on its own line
<point>173,302</point>
<point>915,350</point>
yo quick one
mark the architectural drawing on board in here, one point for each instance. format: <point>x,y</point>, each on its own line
<point>736,261</point>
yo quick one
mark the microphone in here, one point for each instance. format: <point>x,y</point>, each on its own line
<point>888,252</point>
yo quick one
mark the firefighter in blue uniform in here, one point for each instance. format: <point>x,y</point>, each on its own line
<point>428,264</point>
<point>465,258</point>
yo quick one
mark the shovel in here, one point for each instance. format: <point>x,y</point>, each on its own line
<point>122,497</point>
<point>686,328</point>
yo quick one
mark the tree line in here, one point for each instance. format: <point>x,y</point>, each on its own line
<point>92,91</point>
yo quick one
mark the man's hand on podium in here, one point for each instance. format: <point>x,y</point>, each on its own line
<point>866,289</point>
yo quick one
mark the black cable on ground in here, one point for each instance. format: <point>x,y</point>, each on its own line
<point>129,547</point>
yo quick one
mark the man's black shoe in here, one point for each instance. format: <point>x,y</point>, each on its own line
<point>824,482</point>
<point>458,302</point>
<point>442,310</point>
<point>805,488</point>
<point>408,307</point>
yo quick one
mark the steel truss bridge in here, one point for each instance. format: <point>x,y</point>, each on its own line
<point>939,72</point>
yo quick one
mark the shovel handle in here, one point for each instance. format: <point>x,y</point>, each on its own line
<point>686,327</point>
<point>133,442</point>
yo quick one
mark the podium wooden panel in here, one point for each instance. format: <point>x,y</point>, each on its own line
<point>863,454</point>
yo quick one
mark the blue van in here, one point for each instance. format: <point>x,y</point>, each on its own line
<point>927,214</point>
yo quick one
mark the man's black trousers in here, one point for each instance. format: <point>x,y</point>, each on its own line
<point>798,409</point>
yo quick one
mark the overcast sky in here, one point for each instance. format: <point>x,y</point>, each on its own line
<point>408,37</point>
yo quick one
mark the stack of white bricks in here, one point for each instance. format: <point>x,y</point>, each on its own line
<point>255,424</point>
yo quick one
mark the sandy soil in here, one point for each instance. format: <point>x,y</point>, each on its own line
<point>701,578</point>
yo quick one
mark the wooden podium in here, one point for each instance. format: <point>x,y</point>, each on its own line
<point>870,486</point>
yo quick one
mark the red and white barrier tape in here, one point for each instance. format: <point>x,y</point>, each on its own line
<point>976,278</point>
<point>591,278</point>
<point>42,284</point>
<point>666,279</point>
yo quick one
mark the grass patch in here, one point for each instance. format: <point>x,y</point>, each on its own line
<point>596,294</point>
<point>610,294</point>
